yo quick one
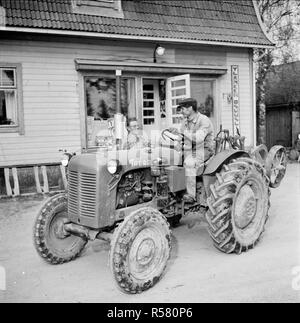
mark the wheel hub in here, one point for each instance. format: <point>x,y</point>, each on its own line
<point>145,252</point>
<point>245,206</point>
<point>59,230</point>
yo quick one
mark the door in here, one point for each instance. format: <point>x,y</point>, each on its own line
<point>178,88</point>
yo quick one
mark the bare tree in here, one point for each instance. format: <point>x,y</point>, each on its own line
<point>281,18</point>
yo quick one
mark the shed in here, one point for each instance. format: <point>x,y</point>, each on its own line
<point>283,104</point>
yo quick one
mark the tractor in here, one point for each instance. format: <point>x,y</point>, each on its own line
<point>130,198</point>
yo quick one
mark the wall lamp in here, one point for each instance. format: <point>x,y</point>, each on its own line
<point>159,50</point>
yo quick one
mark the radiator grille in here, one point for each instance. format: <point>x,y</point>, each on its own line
<point>82,194</point>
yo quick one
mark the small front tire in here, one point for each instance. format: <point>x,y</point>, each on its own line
<point>52,243</point>
<point>140,250</point>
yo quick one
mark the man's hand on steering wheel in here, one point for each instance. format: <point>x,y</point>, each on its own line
<point>176,134</point>
<point>174,131</point>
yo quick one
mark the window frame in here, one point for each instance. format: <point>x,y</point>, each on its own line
<point>19,128</point>
<point>216,116</point>
<point>106,8</point>
<point>83,99</point>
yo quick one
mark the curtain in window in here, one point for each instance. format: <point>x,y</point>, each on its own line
<point>8,115</point>
<point>11,108</point>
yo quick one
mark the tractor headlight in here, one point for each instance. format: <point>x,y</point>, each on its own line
<point>65,161</point>
<point>112,166</point>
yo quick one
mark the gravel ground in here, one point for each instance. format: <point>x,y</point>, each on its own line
<point>197,272</point>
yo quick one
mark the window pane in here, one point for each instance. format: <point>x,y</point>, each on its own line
<point>148,96</point>
<point>7,77</point>
<point>148,104</point>
<point>8,108</point>
<point>148,87</point>
<point>203,92</point>
<point>148,113</point>
<point>101,103</point>
<point>149,121</point>
<point>175,102</point>
<point>180,83</point>
<point>179,92</point>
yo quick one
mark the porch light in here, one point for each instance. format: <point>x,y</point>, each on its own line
<point>159,50</point>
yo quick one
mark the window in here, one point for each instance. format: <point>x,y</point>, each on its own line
<point>10,104</point>
<point>100,95</point>
<point>203,92</point>
<point>106,8</point>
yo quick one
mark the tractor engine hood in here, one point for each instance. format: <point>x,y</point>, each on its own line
<point>84,163</point>
<point>90,202</point>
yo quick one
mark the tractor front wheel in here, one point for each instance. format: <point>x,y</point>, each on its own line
<point>140,250</point>
<point>51,241</point>
<point>238,206</point>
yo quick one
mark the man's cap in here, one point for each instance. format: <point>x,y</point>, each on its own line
<point>187,103</point>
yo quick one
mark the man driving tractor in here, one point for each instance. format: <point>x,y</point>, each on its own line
<point>197,132</point>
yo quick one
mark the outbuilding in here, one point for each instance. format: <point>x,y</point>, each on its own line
<point>283,104</point>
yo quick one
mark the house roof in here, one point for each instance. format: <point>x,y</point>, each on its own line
<point>210,21</point>
<point>283,85</point>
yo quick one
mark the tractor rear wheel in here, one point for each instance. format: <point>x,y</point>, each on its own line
<point>238,206</point>
<point>52,243</point>
<point>140,250</point>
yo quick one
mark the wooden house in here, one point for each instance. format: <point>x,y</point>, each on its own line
<point>58,61</point>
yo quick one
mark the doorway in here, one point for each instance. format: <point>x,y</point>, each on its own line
<point>160,98</point>
<point>151,103</point>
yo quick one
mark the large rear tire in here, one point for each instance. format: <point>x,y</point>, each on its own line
<point>238,206</point>
<point>52,243</point>
<point>140,250</point>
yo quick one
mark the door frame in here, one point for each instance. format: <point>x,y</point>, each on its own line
<point>155,98</point>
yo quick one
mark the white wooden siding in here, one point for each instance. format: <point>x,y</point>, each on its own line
<point>51,92</point>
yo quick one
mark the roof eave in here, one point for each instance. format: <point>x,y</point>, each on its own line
<point>128,37</point>
<point>261,24</point>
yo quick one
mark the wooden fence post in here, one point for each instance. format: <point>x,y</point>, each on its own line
<point>16,182</point>
<point>37,179</point>
<point>45,179</point>
<point>64,177</point>
<point>7,182</point>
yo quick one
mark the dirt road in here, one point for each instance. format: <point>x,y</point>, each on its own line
<point>196,273</point>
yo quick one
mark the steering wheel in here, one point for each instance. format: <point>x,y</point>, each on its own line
<point>174,136</point>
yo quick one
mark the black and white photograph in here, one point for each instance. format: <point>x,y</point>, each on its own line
<point>149,154</point>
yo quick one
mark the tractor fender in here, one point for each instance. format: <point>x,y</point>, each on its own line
<point>219,159</point>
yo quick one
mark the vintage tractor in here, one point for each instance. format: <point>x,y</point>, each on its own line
<point>128,198</point>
